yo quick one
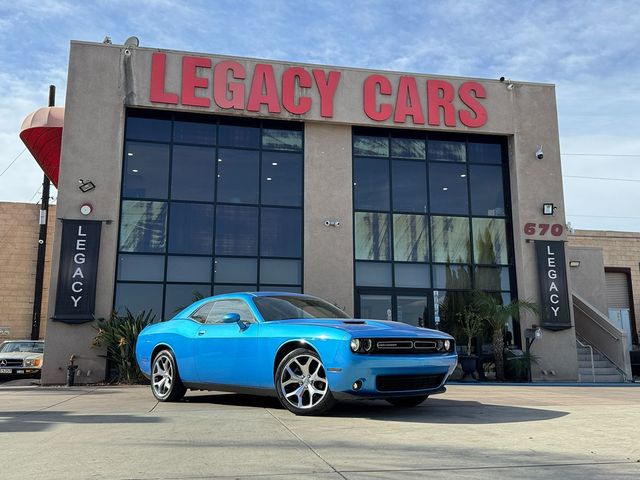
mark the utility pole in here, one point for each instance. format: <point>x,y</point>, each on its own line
<point>42,243</point>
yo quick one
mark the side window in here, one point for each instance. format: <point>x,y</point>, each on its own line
<point>201,314</point>
<point>222,307</point>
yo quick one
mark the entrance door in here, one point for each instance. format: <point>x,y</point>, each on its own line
<point>408,306</point>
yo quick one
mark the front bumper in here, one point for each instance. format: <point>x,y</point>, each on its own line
<point>366,368</point>
<point>13,371</point>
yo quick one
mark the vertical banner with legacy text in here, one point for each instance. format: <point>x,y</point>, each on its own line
<point>554,293</point>
<point>77,275</point>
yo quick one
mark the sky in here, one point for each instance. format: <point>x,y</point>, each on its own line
<point>588,49</point>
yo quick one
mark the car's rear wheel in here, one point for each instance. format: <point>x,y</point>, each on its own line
<point>301,383</point>
<point>407,401</point>
<point>165,380</point>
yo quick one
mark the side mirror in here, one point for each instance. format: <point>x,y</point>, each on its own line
<point>231,318</point>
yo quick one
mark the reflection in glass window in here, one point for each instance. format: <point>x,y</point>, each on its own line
<point>280,288</point>
<point>191,228</point>
<point>180,296</point>
<point>492,278</point>
<point>288,272</point>
<point>372,236</point>
<point>238,176</point>
<point>280,232</point>
<point>152,129</point>
<point>146,170</point>
<point>373,274</point>
<point>412,310</point>
<point>193,173</point>
<point>412,275</point>
<point>222,289</point>
<point>447,307</point>
<point>138,297</point>
<point>275,139</point>
<point>376,307</point>
<point>454,277</point>
<point>370,146</point>
<point>484,152</point>
<point>450,239</point>
<point>189,269</point>
<point>281,179</point>
<point>236,270</point>
<point>409,186</point>
<point>370,184</point>
<point>141,268</point>
<point>408,148</point>
<point>446,151</point>
<point>487,194</point>
<point>410,238</point>
<point>143,226</point>
<point>490,241</point>
<point>448,188</point>
<point>238,136</point>
<point>194,132</point>
<point>234,223</point>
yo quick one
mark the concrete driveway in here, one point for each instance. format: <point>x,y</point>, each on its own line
<point>471,432</point>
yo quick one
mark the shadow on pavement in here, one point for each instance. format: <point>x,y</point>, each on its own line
<point>29,421</point>
<point>437,411</point>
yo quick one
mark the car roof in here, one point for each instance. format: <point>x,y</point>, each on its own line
<point>243,295</point>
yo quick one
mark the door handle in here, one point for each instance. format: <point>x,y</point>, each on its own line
<point>201,332</point>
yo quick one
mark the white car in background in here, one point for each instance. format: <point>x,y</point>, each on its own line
<point>21,357</point>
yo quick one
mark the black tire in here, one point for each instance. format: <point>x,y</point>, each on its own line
<point>164,361</point>
<point>407,402</point>
<point>310,380</point>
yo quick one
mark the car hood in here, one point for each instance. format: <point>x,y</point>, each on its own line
<point>367,328</point>
<point>21,355</point>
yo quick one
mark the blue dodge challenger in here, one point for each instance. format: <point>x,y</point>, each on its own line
<point>303,349</point>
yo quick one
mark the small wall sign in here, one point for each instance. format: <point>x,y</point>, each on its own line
<point>554,296</point>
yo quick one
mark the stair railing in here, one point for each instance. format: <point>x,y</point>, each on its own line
<point>593,368</point>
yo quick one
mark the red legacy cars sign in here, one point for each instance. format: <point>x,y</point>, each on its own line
<point>429,102</point>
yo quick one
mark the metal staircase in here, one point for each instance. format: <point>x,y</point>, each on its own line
<point>593,367</point>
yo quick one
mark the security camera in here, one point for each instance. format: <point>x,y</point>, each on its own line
<point>540,153</point>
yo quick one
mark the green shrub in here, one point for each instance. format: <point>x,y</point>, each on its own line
<point>118,335</point>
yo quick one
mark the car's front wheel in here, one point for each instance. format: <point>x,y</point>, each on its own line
<point>407,401</point>
<point>301,383</point>
<point>165,380</point>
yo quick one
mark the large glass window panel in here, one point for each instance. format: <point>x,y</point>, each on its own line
<point>222,289</point>
<point>191,228</point>
<point>152,129</point>
<point>453,277</point>
<point>189,269</point>
<point>276,139</point>
<point>138,297</point>
<point>238,176</point>
<point>446,151</point>
<point>370,184</point>
<point>408,148</point>
<point>492,278</point>
<point>409,186</point>
<point>280,288</point>
<point>410,238</point>
<point>370,146</point>
<point>372,274</point>
<point>236,230</point>
<point>484,153</point>
<point>193,173</point>
<point>194,132</point>
<point>180,296</point>
<point>372,236</point>
<point>376,307</point>
<point>146,170</point>
<point>239,136</point>
<point>412,310</point>
<point>281,179</point>
<point>143,226</point>
<point>447,309</point>
<point>450,239</point>
<point>288,272</point>
<point>236,270</point>
<point>487,193</point>
<point>141,268</point>
<point>448,188</point>
<point>490,241</point>
<point>412,275</point>
<point>280,232</point>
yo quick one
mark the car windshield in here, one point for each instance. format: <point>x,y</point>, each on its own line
<point>22,347</point>
<point>289,307</point>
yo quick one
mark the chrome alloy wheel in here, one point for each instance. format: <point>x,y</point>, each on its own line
<point>303,382</point>
<point>163,375</point>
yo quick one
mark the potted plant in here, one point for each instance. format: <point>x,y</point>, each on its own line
<point>471,325</point>
<point>496,314</point>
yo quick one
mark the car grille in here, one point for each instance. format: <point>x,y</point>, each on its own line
<point>405,346</point>
<point>11,362</point>
<point>398,383</point>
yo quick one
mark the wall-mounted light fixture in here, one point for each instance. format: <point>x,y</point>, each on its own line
<point>86,185</point>
<point>574,263</point>
<point>548,209</point>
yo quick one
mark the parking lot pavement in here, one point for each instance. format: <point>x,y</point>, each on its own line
<point>471,432</point>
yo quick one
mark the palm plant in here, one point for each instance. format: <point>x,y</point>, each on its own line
<point>496,314</point>
<point>471,324</point>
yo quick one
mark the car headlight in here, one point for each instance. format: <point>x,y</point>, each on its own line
<point>28,362</point>
<point>367,344</point>
<point>447,345</point>
<point>355,344</point>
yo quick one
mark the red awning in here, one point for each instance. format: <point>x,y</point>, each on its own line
<point>41,132</point>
